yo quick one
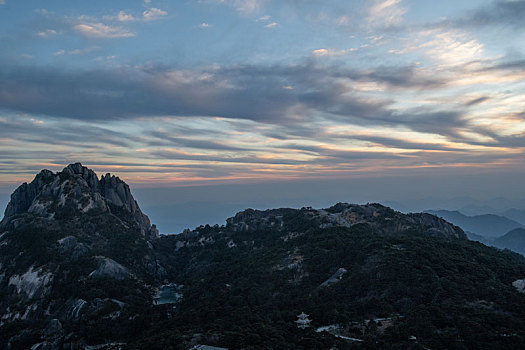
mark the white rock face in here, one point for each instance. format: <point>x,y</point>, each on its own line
<point>88,207</point>
<point>519,285</point>
<point>39,208</point>
<point>76,308</point>
<point>336,277</point>
<point>109,268</point>
<point>32,283</point>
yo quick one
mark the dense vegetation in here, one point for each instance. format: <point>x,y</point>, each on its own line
<point>447,294</point>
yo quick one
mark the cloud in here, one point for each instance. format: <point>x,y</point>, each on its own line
<point>168,139</point>
<point>122,16</point>
<point>248,6</point>
<point>272,25</point>
<point>43,11</point>
<point>499,12</point>
<point>342,20</point>
<point>386,14</point>
<point>264,18</point>
<point>477,100</point>
<point>84,50</point>
<point>150,14</point>
<point>47,33</point>
<point>3,2</point>
<point>245,7</point>
<point>153,14</point>
<point>101,30</point>
<point>239,92</point>
<point>453,47</point>
<point>76,51</point>
<point>55,133</point>
<point>332,52</point>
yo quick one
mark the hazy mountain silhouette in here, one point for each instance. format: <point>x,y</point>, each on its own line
<point>515,214</point>
<point>488,225</point>
<point>513,240</point>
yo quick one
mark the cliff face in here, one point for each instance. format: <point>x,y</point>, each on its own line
<point>74,190</point>
<point>25,194</point>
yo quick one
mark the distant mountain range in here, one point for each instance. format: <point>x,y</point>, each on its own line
<point>513,240</point>
<point>487,225</point>
<point>493,230</point>
<point>515,214</point>
<point>82,267</point>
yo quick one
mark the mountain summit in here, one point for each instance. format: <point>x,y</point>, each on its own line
<point>74,190</point>
<point>73,246</point>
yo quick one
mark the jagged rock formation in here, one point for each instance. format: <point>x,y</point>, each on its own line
<point>76,188</point>
<point>74,249</point>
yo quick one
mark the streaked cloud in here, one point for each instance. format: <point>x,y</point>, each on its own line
<point>339,90</point>
<point>272,25</point>
<point>332,52</point>
<point>453,47</point>
<point>386,13</point>
<point>84,51</point>
<point>496,13</point>
<point>101,30</point>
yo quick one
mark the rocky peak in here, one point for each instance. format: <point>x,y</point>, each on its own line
<point>378,217</point>
<point>23,196</point>
<point>75,189</point>
<point>77,169</point>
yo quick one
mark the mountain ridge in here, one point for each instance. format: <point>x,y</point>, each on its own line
<point>79,268</point>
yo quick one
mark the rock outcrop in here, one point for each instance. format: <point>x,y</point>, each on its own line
<point>74,190</point>
<point>109,268</point>
<point>78,255</point>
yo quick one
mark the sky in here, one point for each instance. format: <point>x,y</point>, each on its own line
<point>207,106</point>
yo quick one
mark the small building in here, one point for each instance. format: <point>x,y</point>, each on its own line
<point>303,321</point>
